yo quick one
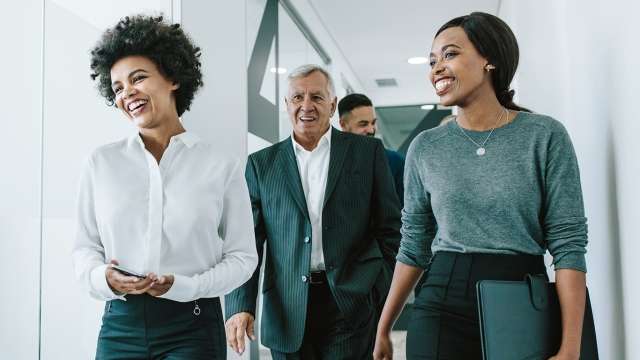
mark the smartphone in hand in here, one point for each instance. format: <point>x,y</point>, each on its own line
<point>127,272</point>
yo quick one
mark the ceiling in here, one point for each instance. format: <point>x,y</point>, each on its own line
<point>377,37</point>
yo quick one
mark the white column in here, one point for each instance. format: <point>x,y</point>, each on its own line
<point>21,118</point>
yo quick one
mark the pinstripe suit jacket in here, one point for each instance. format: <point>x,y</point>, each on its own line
<point>361,221</point>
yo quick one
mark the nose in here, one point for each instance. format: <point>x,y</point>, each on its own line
<point>128,91</point>
<point>437,68</point>
<point>307,104</point>
<point>372,129</point>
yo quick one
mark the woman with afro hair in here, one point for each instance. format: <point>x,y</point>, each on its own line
<point>164,221</point>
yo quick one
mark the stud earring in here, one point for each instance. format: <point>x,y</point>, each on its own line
<point>489,67</point>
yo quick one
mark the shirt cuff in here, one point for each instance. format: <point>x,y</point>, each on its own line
<point>100,284</point>
<point>184,289</point>
<point>572,260</point>
<point>403,258</point>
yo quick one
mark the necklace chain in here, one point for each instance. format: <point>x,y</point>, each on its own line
<point>481,149</point>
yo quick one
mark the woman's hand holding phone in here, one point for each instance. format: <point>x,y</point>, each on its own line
<point>125,281</point>
<point>127,284</point>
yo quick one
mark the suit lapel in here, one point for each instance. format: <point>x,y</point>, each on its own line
<point>339,147</point>
<point>289,165</point>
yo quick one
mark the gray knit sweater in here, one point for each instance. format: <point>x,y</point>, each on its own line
<point>522,197</point>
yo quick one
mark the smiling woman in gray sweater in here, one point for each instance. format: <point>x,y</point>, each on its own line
<point>486,195</point>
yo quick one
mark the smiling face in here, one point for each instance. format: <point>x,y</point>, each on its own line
<point>310,105</point>
<point>458,71</point>
<point>361,120</point>
<point>143,94</point>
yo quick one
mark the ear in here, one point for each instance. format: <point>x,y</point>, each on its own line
<point>343,123</point>
<point>175,86</point>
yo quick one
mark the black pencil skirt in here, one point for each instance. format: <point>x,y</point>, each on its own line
<point>444,321</point>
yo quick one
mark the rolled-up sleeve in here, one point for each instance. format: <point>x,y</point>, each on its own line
<point>565,225</point>
<point>418,223</point>
<point>239,256</point>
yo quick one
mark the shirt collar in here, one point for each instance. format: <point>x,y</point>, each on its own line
<point>188,138</point>
<point>324,139</point>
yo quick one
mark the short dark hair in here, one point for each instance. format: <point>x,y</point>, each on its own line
<point>352,101</point>
<point>495,41</point>
<point>166,45</point>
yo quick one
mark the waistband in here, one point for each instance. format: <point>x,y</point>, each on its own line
<point>159,310</point>
<point>487,266</point>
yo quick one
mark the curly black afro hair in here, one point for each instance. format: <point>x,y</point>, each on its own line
<point>166,45</point>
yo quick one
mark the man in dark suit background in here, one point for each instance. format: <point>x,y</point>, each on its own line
<point>358,116</point>
<point>324,203</point>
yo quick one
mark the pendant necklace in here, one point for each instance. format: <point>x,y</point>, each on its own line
<point>481,150</point>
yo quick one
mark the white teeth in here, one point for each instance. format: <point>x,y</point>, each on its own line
<point>136,104</point>
<point>441,84</point>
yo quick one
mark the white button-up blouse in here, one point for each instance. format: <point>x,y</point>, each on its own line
<point>188,216</point>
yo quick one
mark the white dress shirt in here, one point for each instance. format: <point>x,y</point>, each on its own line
<point>188,216</point>
<point>313,167</point>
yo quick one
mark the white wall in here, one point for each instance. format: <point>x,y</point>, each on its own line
<point>575,65</point>
<point>219,112</point>
<point>620,64</point>
<point>20,116</point>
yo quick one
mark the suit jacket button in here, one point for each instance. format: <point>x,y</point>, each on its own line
<point>306,239</point>
<point>304,278</point>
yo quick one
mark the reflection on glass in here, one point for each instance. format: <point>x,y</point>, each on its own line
<point>293,50</point>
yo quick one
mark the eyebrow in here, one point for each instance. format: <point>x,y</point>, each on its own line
<point>131,74</point>
<point>312,93</point>
<point>445,48</point>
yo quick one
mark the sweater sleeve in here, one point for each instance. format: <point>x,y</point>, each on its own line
<point>564,222</point>
<point>418,223</point>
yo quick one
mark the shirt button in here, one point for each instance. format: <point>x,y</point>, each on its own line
<point>306,239</point>
<point>304,278</point>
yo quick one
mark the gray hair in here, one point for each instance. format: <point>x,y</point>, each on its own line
<point>306,70</point>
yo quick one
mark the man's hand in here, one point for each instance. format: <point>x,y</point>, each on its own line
<point>160,284</point>
<point>123,284</point>
<point>236,327</point>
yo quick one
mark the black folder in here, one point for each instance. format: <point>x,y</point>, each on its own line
<point>522,320</point>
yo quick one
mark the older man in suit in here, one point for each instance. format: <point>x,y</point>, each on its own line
<point>325,205</point>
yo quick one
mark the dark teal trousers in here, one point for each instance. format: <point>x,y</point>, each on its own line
<point>145,327</point>
<point>444,323</point>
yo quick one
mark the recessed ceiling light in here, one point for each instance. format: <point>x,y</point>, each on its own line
<point>427,107</point>
<point>417,60</point>
<point>280,70</point>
